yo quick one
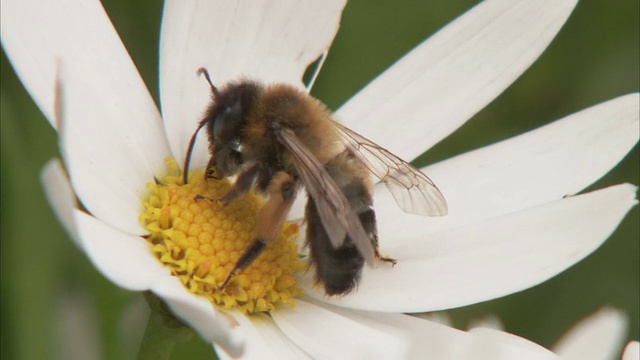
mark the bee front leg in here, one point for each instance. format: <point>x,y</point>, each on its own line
<point>281,191</point>
<point>223,162</point>
<point>244,182</point>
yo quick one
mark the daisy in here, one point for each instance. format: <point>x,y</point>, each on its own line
<point>513,220</point>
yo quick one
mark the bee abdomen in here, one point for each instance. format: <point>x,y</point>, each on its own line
<point>339,269</point>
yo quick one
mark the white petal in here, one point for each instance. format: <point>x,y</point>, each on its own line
<point>325,334</point>
<point>264,340</point>
<point>599,336</point>
<point>112,143</point>
<point>489,321</point>
<point>520,348</point>
<point>542,165</point>
<point>347,334</point>
<point>297,209</point>
<point>438,86</point>
<point>60,195</point>
<point>76,68</point>
<point>270,41</point>
<point>437,341</point>
<point>631,351</point>
<point>124,259</point>
<point>38,35</point>
<point>212,325</point>
<point>439,317</point>
<point>490,259</point>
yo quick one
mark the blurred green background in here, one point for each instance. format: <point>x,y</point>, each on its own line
<point>47,282</point>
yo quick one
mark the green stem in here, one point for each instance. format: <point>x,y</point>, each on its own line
<point>163,331</point>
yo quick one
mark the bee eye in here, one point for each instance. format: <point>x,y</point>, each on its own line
<point>227,123</point>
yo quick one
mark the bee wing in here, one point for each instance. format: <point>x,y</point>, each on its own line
<point>337,215</point>
<point>413,191</point>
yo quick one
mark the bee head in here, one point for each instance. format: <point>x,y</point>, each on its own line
<point>228,113</point>
<point>224,120</point>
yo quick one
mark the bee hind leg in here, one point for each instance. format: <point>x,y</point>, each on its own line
<point>376,249</point>
<point>368,219</point>
<point>281,191</point>
<point>252,252</point>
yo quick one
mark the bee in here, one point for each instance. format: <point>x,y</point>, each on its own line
<point>277,139</point>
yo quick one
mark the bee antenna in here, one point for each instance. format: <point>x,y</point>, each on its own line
<point>214,89</point>
<point>192,142</point>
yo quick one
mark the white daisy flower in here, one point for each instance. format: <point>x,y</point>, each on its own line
<point>513,220</point>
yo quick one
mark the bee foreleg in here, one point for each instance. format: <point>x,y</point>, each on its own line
<point>244,182</point>
<point>223,163</point>
<point>242,185</point>
<point>281,191</point>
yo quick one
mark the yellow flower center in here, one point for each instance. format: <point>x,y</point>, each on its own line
<point>201,240</point>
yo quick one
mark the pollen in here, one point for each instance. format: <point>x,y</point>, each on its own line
<point>200,240</point>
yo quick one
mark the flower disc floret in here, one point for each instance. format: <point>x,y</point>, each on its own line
<point>200,240</point>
